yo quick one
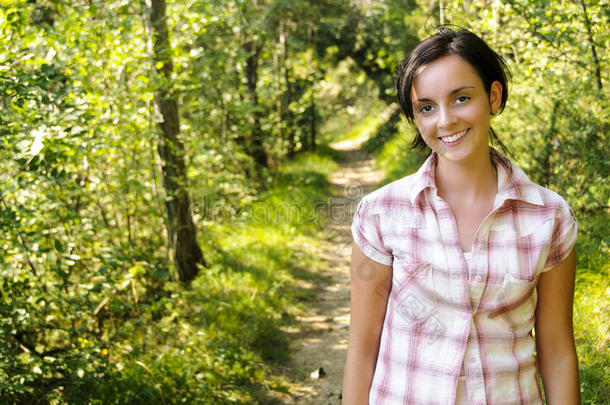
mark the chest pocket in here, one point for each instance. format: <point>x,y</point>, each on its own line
<point>523,242</point>
<point>515,302</point>
<point>413,296</point>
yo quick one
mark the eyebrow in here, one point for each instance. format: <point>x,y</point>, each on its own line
<point>421,100</point>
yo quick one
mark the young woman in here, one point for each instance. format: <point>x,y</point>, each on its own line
<point>453,266</point>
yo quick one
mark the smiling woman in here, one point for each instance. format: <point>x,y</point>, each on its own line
<point>452,108</point>
<point>463,258</point>
<point>474,56</point>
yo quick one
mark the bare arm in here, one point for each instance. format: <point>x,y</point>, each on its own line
<point>554,335</point>
<point>370,286</point>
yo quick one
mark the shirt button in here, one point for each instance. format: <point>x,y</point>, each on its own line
<point>477,278</point>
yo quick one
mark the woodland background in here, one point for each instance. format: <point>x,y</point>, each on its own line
<point>146,146</point>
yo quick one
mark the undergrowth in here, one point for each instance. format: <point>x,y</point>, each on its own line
<point>219,341</point>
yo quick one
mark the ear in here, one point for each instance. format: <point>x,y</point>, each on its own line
<point>495,96</point>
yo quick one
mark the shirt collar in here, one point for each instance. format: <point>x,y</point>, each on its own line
<point>424,177</point>
<point>515,186</point>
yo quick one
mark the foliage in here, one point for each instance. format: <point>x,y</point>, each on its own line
<point>86,272</point>
<point>90,310</point>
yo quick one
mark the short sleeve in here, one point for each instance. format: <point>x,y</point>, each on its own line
<point>563,238</point>
<point>367,234</point>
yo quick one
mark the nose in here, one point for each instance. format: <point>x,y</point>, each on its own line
<point>446,118</point>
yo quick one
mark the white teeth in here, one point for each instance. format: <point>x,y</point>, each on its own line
<point>455,137</point>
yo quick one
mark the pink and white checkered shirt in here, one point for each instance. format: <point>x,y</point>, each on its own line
<point>440,313</point>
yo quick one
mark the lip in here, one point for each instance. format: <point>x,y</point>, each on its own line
<point>466,132</point>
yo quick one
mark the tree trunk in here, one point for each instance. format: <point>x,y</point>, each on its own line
<point>312,111</point>
<point>547,148</point>
<point>254,146</point>
<point>598,71</point>
<point>312,120</point>
<point>182,235</point>
<point>278,103</point>
<point>288,93</point>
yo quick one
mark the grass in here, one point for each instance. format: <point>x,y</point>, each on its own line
<point>592,308</point>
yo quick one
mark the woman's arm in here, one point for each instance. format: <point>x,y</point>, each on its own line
<point>554,335</point>
<point>370,286</point>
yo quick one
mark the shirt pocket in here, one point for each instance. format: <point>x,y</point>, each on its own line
<point>515,301</point>
<point>413,296</point>
<point>522,245</point>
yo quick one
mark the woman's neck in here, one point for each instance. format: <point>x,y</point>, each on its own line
<point>469,181</point>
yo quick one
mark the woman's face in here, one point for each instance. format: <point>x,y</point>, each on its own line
<point>452,109</point>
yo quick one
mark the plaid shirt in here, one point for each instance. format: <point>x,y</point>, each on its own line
<point>440,314</point>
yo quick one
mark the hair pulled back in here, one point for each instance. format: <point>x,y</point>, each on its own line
<point>487,63</point>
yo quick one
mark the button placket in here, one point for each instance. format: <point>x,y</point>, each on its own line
<point>475,385</point>
<point>480,261</point>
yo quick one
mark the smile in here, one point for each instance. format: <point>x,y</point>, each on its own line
<point>453,138</point>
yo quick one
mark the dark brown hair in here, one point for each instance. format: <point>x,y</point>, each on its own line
<point>488,64</point>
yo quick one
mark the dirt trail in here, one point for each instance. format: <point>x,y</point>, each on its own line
<point>321,339</point>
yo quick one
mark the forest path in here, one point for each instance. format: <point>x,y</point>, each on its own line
<point>320,340</point>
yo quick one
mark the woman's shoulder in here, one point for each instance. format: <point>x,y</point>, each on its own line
<point>391,205</point>
<point>396,192</point>
<point>405,190</point>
